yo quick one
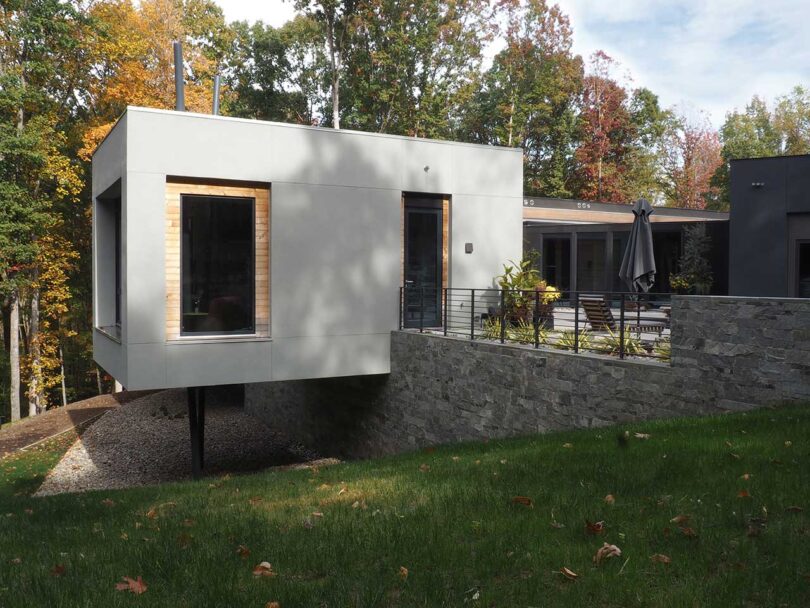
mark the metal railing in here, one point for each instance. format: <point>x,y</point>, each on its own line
<point>621,324</point>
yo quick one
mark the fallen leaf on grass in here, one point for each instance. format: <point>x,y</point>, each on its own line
<point>403,573</point>
<point>557,525</point>
<point>743,494</point>
<point>788,444</point>
<point>660,558</point>
<point>152,513</point>
<point>254,500</point>
<point>734,456</point>
<point>568,445</point>
<point>455,458</point>
<point>794,509</point>
<point>108,503</point>
<point>15,560</point>
<point>359,504</point>
<point>680,519</point>
<point>605,552</point>
<point>745,476</point>
<point>317,514</point>
<point>568,573</point>
<point>594,528</point>
<point>523,500</point>
<point>424,468</point>
<point>272,605</point>
<point>641,435</point>
<point>184,540</point>
<point>136,586</point>
<point>29,511</point>
<point>188,523</point>
<point>58,570</point>
<point>753,531</point>
<point>430,450</point>
<point>242,551</point>
<point>687,531</point>
<point>263,569</point>
<point>610,499</point>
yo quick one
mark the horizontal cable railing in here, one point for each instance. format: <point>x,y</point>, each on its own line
<point>622,324</point>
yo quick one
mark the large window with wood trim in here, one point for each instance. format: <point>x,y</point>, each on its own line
<point>218,265</point>
<point>217,259</point>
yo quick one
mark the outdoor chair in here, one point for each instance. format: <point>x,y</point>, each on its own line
<point>601,318</point>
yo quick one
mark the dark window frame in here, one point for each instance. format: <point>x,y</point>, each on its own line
<point>239,332</point>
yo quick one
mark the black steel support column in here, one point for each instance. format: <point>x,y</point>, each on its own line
<point>196,421</point>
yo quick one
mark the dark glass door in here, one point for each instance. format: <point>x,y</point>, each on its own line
<point>423,264</point>
<point>803,269</point>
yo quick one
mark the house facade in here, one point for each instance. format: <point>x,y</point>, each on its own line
<point>230,251</point>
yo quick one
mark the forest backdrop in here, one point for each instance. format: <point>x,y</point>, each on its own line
<point>68,69</point>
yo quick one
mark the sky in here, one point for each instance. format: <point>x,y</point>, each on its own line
<point>699,55</point>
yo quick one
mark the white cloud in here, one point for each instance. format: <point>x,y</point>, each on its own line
<point>713,54</point>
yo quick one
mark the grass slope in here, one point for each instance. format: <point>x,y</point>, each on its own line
<point>339,536</point>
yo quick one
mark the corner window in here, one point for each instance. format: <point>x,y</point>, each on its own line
<point>218,269</point>
<point>108,254</point>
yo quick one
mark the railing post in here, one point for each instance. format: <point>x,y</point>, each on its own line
<point>401,306</point>
<point>621,329</point>
<point>537,318</point>
<point>444,311</point>
<point>421,310</point>
<point>503,316</point>
<point>576,321</point>
<point>472,314</point>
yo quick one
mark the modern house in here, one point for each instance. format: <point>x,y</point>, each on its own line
<point>770,227</point>
<point>238,251</point>
<point>581,242</point>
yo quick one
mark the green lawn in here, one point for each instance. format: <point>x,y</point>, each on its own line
<point>340,536</point>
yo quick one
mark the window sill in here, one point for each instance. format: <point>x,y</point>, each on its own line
<point>113,332</point>
<point>219,339</point>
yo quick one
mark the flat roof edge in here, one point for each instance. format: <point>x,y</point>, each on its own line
<point>290,125</point>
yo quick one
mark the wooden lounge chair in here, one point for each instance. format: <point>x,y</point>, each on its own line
<point>601,318</point>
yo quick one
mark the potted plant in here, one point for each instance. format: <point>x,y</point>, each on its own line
<point>524,289</point>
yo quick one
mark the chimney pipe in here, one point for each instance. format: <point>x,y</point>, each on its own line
<point>215,109</point>
<point>179,94</point>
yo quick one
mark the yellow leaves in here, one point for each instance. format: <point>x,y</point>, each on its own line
<point>263,569</point>
<point>745,476</point>
<point>424,468</point>
<point>568,445</point>
<point>403,573</point>
<point>136,586</point>
<point>610,499</point>
<point>605,552</point>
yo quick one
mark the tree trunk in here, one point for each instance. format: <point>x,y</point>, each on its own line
<point>62,370</point>
<point>98,380</point>
<point>14,355</point>
<point>34,386</point>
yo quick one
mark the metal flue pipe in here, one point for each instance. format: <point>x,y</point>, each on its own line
<point>215,109</point>
<point>179,92</point>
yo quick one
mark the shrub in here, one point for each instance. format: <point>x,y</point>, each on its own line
<point>612,344</point>
<point>568,339</point>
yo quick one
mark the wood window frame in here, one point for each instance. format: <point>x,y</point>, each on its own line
<point>176,187</point>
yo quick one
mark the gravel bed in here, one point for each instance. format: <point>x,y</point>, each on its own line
<point>147,442</point>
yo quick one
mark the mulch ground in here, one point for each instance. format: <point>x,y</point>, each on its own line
<point>21,434</point>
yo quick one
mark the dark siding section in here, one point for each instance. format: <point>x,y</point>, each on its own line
<point>758,227</point>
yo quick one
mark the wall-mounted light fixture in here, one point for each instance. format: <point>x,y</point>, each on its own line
<point>468,247</point>
<point>757,184</point>
<point>427,168</point>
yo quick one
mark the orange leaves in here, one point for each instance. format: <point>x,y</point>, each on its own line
<point>108,503</point>
<point>680,519</point>
<point>594,528</point>
<point>58,570</point>
<point>403,573</point>
<point>272,605</point>
<point>610,499</point>
<point>242,551</point>
<point>523,500</point>
<point>136,586</point>
<point>743,494</point>
<point>687,531</point>
<point>660,558</point>
<point>263,569</point>
<point>606,551</point>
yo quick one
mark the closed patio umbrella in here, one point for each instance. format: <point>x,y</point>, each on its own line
<point>638,263</point>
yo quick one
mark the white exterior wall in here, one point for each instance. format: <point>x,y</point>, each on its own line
<point>335,240</point>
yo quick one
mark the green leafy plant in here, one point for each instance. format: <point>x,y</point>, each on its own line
<point>492,329</point>
<point>523,332</point>
<point>663,349</point>
<point>568,339</point>
<point>521,282</point>
<point>612,344</point>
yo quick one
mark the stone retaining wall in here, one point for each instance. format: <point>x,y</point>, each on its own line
<point>728,354</point>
